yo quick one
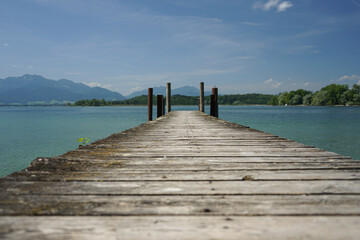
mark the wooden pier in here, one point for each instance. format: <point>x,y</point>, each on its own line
<point>186,175</point>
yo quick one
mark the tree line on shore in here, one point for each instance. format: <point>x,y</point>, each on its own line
<point>234,99</point>
<point>334,94</point>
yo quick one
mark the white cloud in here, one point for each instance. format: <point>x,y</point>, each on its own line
<point>21,66</point>
<point>73,73</point>
<point>273,83</point>
<point>303,49</point>
<point>311,48</point>
<point>203,40</point>
<point>96,84</point>
<point>6,44</point>
<point>270,4</point>
<point>135,89</point>
<point>349,78</point>
<point>166,76</point>
<point>254,24</point>
<point>309,33</point>
<point>356,3</point>
<point>283,6</point>
<point>141,81</point>
<point>358,83</point>
<point>306,84</point>
<point>93,84</point>
<point>269,80</point>
<point>144,78</point>
<point>204,72</point>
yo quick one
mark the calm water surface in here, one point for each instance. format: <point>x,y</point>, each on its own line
<point>29,132</point>
<point>335,129</point>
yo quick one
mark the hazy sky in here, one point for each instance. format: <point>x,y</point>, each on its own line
<point>240,46</point>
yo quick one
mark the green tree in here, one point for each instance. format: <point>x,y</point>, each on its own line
<point>274,101</point>
<point>356,89</point>
<point>320,98</point>
<point>295,100</point>
<point>307,99</point>
<point>282,98</point>
<point>347,97</point>
<point>334,93</point>
<point>356,99</point>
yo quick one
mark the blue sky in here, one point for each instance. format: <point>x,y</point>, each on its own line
<point>240,46</point>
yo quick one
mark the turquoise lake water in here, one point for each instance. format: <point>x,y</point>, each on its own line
<point>30,132</point>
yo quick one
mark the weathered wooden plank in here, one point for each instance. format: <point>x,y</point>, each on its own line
<point>209,150</point>
<point>117,166</point>
<point>208,144</point>
<point>206,159</point>
<point>206,154</point>
<point>92,205</point>
<point>181,188</point>
<point>182,175</point>
<point>160,227</point>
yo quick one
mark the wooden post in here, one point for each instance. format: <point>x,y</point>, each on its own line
<point>150,104</point>
<point>202,97</point>
<point>212,105</point>
<point>168,97</point>
<point>163,105</point>
<point>159,105</point>
<point>216,105</point>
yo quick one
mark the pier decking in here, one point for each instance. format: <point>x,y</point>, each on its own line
<point>186,175</point>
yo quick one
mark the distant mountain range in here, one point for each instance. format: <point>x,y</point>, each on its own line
<point>35,89</point>
<point>186,91</point>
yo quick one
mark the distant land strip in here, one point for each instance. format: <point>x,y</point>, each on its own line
<point>334,94</point>
<point>331,95</point>
<point>237,99</point>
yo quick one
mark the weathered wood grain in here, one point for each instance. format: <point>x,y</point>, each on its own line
<point>169,164</point>
<point>188,228</point>
<point>181,188</point>
<point>185,175</point>
<point>218,205</point>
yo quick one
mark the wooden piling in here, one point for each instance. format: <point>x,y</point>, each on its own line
<point>160,105</point>
<point>212,105</point>
<point>216,105</point>
<point>150,104</point>
<point>202,108</point>
<point>168,97</point>
<point>163,107</point>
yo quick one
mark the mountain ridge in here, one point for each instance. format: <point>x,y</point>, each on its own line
<point>28,88</point>
<point>37,90</point>
<point>185,91</point>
